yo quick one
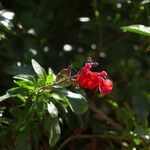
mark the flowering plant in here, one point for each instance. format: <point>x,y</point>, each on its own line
<point>43,105</point>
<point>45,97</point>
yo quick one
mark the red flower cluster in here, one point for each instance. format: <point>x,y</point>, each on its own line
<point>90,80</point>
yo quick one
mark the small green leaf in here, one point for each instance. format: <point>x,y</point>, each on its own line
<point>52,109</point>
<point>137,141</point>
<point>50,77</point>
<point>77,102</point>
<point>139,29</point>
<point>38,69</point>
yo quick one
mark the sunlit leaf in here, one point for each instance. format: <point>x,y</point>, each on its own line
<point>53,128</point>
<point>52,109</point>
<point>77,102</point>
<point>139,29</point>
<point>38,69</point>
<point>4,97</point>
<point>25,77</point>
<point>145,2</point>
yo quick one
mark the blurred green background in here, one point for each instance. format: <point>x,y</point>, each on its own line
<point>58,33</point>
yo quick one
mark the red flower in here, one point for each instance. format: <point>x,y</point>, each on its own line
<point>105,86</point>
<point>87,78</point>
<point>90,80</point>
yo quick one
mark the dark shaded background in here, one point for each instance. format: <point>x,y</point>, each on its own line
<point>41,28</point>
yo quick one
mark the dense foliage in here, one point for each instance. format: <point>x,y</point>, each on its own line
<point>38,110</point>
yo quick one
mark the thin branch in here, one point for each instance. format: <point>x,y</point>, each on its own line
<point>104,136</point>
<point>103,117</point>
<point>66,80</point>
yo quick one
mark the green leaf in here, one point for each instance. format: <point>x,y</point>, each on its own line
<point>50,78</point>
<point>40,106</point>
<point>139,29</point>
<point>61,100</point>
<point>24,84</point>
<point>40,82</point>
<point>53,128</point>
<point>77,102</point>
<point>25,77</point>
<point>145,2</point>
<point>17,91</point>
<point>137,141</point>
<point>53,111</point>
<point>4,97</point>
<point>38,69</point>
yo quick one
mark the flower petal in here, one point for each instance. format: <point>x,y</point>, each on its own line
<point>105,86</point>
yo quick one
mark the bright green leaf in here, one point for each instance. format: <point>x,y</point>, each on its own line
<point>24,84</point>
<point>137,141</point>
<point>50,78</point>
<point>139,29</point>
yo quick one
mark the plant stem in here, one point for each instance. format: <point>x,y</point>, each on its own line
<point>58,83</point>
<point>104,136</point>
<point>103,117</point>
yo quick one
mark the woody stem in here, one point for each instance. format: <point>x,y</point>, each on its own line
<point>103,117</point>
